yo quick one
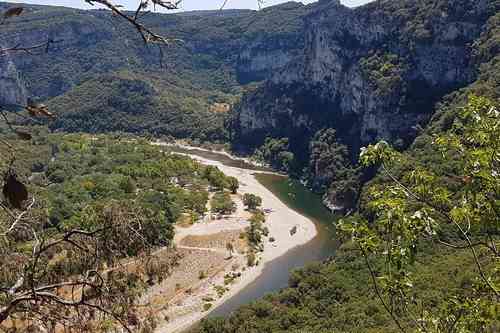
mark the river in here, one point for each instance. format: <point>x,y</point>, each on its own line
<point>297,197</point>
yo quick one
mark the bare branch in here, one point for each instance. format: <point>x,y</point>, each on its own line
<point>29,49</point>
<point>148,36</point>
<point>19,217</point>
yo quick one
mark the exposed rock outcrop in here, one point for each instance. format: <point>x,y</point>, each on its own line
<point>359,65</point>
<point>373,72</point>
<point>12,90</point>
<point>261,58</point>
<point>243,45</point>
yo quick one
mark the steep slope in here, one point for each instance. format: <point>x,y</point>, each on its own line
<point>363,69</point>
<point>336,296</point>
<point>95,42</point>
<point>140,103</point>
<point>374,72</point>
<point>220,52</point>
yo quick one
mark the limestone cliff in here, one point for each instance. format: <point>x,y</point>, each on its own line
<point>360,71</point>
<point>12,90</point>
<point>242,45</point>
<point>373,72</point>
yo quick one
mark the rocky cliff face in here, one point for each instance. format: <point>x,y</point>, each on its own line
<point>80,40</point>
<point>12,90</point>
<point>260,44</point>
<point>244,46</point>
<point>371,73</point>
<point>261,58</point>
<point>361,74</point>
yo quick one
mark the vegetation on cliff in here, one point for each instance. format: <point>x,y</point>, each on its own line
<point>384,79</point>
<point>99,74</point>
<point>421,251</point>
<point>140,104</point>
<point>420,255</point>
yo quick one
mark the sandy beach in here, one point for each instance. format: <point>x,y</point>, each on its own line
<point>186,308</point>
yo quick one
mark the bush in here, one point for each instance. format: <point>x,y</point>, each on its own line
<point>233,184</point>
<point>128,185</point>
<point>222,203</point>
<point>251,258</point>
<point>276,153</point>
<point>252,201</point>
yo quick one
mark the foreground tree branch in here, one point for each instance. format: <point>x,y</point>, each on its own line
<point>415,207</point>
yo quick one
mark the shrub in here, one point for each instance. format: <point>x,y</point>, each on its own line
<point>252,201</point>
<point>222,203</point>
<point>251,258</point>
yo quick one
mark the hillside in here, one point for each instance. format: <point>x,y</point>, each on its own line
<point>142,104</point>
<point>371,73</point>
<point>218,53</point>
<point>102,204</point>
<point>307,88</point>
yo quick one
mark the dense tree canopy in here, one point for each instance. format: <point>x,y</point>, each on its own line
<point>421,255</point>
<point>222,203</point>
<point>252,201</point>
<point>113,199</point>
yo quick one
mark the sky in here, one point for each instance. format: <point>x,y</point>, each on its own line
<point>186,5</point>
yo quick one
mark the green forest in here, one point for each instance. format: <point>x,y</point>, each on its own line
<point>100,72</point>
<point>110,199</point>
<point>425,269</point>
<point>419,232</point>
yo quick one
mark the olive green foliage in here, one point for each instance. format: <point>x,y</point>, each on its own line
<point>136,103</point>
<point>251,258</point>
<point>277,153</point>
<point>222,203</point>
<point>403,234</point>
<point>252,201</point>
<point>233,184</point>
<point>441,282</point>
<point>216,178</point>
<point>415,21</point>
<point>330,169</point>
<point>256,232</point>
<point>444,282</point>
<point>98,76</point>
<point>258,216</point>
<point>85,171</point>
<point>98,201</point>
<point>338,296</point>
<point>384,72</point>
<point>128,185</point>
